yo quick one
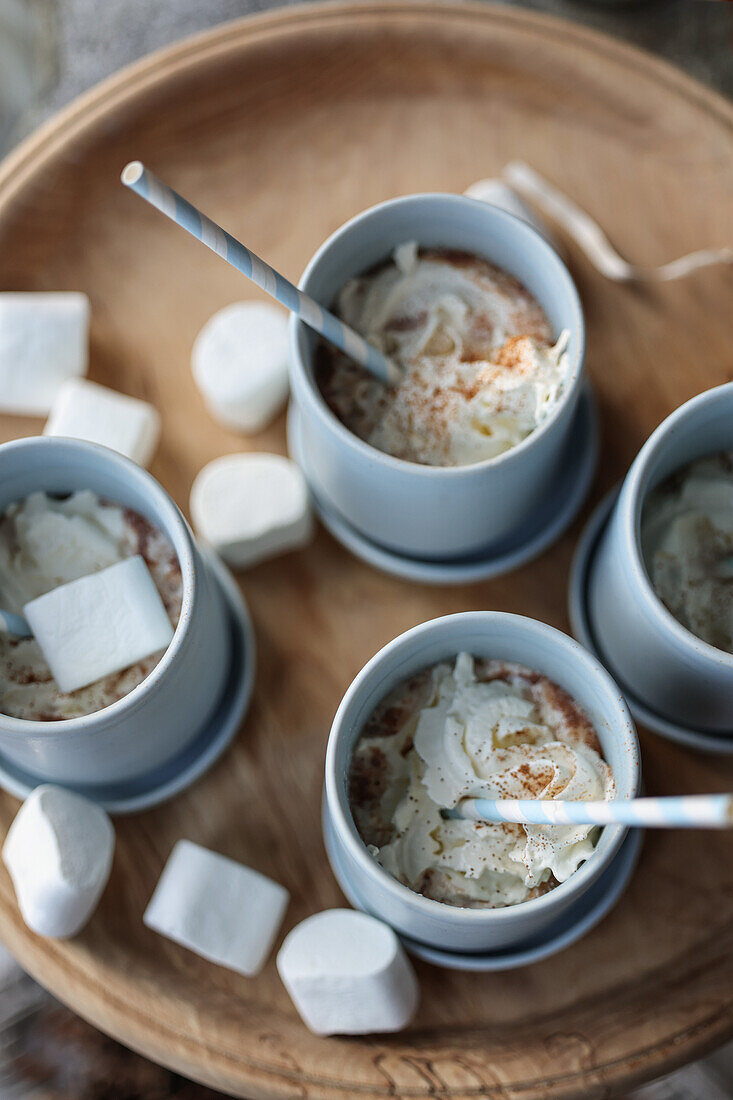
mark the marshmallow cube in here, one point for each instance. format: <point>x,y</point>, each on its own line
<point>217,908</point>
<point>99,624</point>
<point>250,507</point>
<point>43,342</point>
<point>240,364</point>
<point>59,854</point>
<point>348,974</point>
<point>497,193</point>
<point>84,410</point>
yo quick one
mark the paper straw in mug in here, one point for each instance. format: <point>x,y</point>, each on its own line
<point>137,177</point>
<point>10,623</point>
<point>694,811</point>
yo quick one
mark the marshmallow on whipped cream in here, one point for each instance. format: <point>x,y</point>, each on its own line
<point>476,729</point>
<point>47,542</point>
<point>481,371</point>
<point>687,544</point>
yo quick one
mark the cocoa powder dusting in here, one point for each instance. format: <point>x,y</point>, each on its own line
<point>419,417</point>
<point>373,773</point>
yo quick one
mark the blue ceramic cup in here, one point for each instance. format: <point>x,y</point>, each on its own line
<point>159,718</point>
<point>484,634</point>
<point>434,512</point>
<point>671,671</point>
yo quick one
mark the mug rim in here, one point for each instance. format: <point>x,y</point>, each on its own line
<point>331,421</point>
<point>345,826</point>
<point>634,503</point>
<point>184,548</point>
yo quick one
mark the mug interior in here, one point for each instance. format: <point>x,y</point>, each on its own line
<point>700,428</point>
<point>507,637</point>
<point>60,466</point>
<point>56,465</point>
<point>442,221</point>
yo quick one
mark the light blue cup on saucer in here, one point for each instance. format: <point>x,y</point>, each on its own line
<point>430,512</point>
<point>116,748</point>
<point>484,634</point>
<point>669,670</point>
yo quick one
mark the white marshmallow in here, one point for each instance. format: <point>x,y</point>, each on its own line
<point>497,193</point>
<point>99,624</point>
<point>348,974</point>
<point>59,854</point>
<point>218,908</point>
<point>84,410</point>
<point>249,507</point>
<point>43,342</point>
<point>240,364</point>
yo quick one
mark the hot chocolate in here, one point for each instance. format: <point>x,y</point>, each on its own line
<point>46,542</point>
<point>687,544</point>
<point>480,369</point>
<point>475,728</point>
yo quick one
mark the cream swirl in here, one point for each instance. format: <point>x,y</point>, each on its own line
<point>506,733</point>
<point>479,371</point>
<point>687,544</point>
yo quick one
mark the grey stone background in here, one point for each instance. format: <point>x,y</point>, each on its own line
<point>95,38</point>
<point>50,51</point>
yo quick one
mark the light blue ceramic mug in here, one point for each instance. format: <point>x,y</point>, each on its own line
<point>434,512</point>
<point>154,723</point>
<point>484,634</point>
<point>668,669</point>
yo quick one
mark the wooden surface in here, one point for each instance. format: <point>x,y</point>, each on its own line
<point>280,128</point>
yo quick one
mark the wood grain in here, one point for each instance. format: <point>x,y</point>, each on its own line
<point>281,127</point>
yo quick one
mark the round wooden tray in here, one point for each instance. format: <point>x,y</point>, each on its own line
<point>281,127</point>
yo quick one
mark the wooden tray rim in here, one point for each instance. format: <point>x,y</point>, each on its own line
<point>133,80</point>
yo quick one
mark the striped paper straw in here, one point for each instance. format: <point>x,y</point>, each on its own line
<point>694,811</point>
<point>10,623</point>
<point>137,177</point>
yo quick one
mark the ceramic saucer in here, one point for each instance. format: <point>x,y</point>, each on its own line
<point>198,757</point>
<point>547,524</point>
<point>583,630</point>
<point>585,914</point>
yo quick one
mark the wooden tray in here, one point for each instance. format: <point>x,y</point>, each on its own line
<point>281,127</point>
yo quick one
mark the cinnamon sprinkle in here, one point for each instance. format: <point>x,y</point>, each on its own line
<point>418,415</point>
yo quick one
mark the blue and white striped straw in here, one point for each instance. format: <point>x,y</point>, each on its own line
<point>693,811</point>
<point>169,202</point>
<point>10,623</point>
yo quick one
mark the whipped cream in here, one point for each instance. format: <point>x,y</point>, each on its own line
<point>480,370</point>
<point>46,542</point>
<point>476,729</point>
<point>687,545</point>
